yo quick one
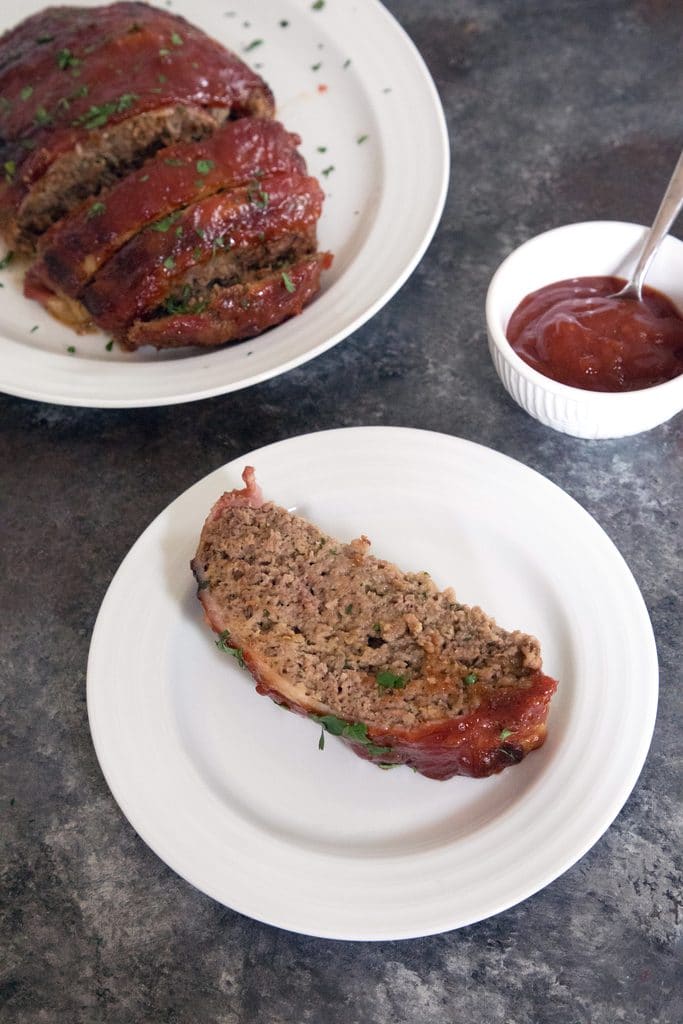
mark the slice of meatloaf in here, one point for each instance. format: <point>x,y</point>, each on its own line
<point>71,77</point>
<point>261,300</point>
<point>403,672</point>
<point>238,153</point>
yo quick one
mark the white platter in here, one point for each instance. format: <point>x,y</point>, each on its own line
<point>233,793</point>
<point>384,200</point>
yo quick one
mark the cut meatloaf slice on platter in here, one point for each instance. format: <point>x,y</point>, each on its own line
<point>238,153</point>
<point>263,299</point>
<point>89,93</point>
<point>402,672</point>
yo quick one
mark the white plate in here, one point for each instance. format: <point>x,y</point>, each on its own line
<point>233,793</point>
<point>384,199</point>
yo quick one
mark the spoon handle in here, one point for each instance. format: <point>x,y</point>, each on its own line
<point>666,215</point>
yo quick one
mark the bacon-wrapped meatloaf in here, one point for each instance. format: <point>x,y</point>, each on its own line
<point>403,672</point>
<point>144,170</point>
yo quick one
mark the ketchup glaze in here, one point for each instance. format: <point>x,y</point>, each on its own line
<point>574,333</point>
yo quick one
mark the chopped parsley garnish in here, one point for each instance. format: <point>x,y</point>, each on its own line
<point>346,63</point>
<point>223,645</point>
<point>110,344</point>
<point>504,733</point>
<point>348,609</point>
<point>361,138</point>
<point>284,23</point>
<point>96,210</point>
<point>42,116</point>
<point>288,283</point>
<point>166,222</point>
<point>66,59</point>
<point>164,52</point>
<point>173,161</point>
<point>390,681</point>
<point>470,678</point>
<point>169,263</point>
<point>252,45</point>
<point>327,170</point>
<point>6,260</point>
<point>322,149</point>
<point>34,329</point>
<point>204,166</point>
<point>316,67</point>
<point>10,167</point>
<point>176,39</point>
<point>203,585</point>
<point>41,40</point>
<point>257,196</point>
<point>318,5</point>
<point>96,116</point>
<point>26,92</point>
<point>71,349</point>
<point>356,732</point>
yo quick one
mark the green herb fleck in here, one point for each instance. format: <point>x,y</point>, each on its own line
<point>470,678</point>
<point>316,67</point>
<point>257,196</point>
<point>223,645</point>
<point>377,628</point>
<point>318,5</point>
<point>504,733</point>
<point>71,349</point>
<point>110,344</point>
<point>42,116</point>
<point>26,92</point>
<point>164,52</point>
<point>10,167</point>
<point>96,210</point>
<point>173,161</point>
<point>176,39</point>
<point>321,741</point>
<point>204,166</point>
<point>348,609</point>
<point>322,149</point>
<point>284,23</point>
<point>203,585</point>
<point>166,222</point>
<point>253,44</point>
<point>66,59</point>
<point>144,177</point>
<point>361,139</point>
<point>328,170</point>
<point>6,260</point>
<point>390,681</point>
<point>41,40</point>
<point>288,283</point>
<point>356,732</point>
<point>34,329</point>
<point>169,263</point>
<point>346,63</point>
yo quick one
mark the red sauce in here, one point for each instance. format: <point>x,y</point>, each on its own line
<point>574,333</point>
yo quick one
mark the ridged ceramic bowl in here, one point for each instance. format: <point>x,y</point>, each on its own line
<point>591,248</point>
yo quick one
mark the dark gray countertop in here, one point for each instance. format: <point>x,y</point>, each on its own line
<point>557,112</point>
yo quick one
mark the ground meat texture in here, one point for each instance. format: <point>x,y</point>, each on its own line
<point>399,669</point>
<point>69,72</point>
<point>262,300</point>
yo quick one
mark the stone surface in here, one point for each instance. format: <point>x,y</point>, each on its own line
<point>557,112</point>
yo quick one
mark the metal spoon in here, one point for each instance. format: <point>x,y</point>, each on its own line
<point>666,215</point>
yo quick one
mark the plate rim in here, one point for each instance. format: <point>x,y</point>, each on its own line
<point>574,852</point>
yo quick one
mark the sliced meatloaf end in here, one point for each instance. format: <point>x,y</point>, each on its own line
<point>238,152</point>
<point>220,239</point>
<point>59,96</point>
<point>261,301</point>
<point>401,671</point>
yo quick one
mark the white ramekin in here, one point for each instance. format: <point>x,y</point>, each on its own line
<point>592,248</point>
